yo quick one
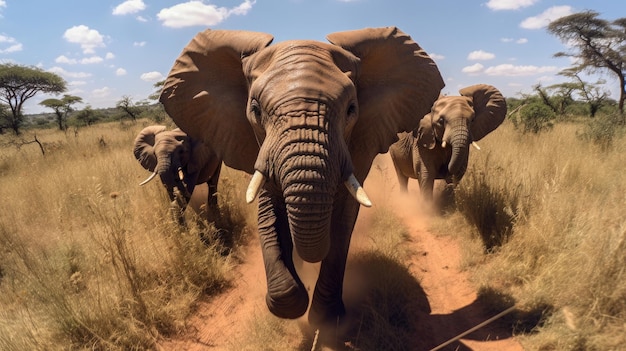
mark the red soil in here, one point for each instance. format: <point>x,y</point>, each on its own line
<point>435,264</point>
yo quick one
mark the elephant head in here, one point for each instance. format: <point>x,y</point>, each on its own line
<point>305,117</point>
<point>459,121</point>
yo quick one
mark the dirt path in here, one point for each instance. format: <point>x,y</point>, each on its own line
<point>452,299</point>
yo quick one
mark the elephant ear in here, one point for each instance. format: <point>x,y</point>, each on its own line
<point>396,86</point>
<point>144,146</point>
<point>489,109</point>
<point>425,133</point>
<point>206,93</point>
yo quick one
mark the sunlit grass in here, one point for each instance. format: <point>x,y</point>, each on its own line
<point>91,259</point>
<point>557,204</point>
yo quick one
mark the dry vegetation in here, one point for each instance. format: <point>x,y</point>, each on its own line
<point>90,260</point>
<point>548,211</point>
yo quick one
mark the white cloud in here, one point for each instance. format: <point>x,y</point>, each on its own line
<point>139,43</point>
<point>91,60</point>
<point>473,69</point>
<point>480,55</point>
<point>120,72</point>
<point>62,72</point>
<point>509,70</point>
<point>546,17</point>
<point>77,83</point>
<point>197,13</point>
<point>14,46</point>
<point>3,3</point>
<point>109,56</point>
<point>521,41</point>
<point>509,4</point>
<point>102,92</point>
<point>66,60</point>
<point>89,39</point>
<point>152,76</point>
<point>436,56</point>
<point>141,19</point>
<point>129,6</point>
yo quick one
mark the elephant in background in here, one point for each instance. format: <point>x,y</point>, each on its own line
<point>181,162</point>
<point>307,119</point>
<point>439,147</point>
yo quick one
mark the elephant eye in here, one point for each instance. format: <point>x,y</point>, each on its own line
<point>351,109</point>
<point>441,120</point>
<point>255,109</point>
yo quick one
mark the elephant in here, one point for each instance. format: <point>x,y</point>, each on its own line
<point>439,147</point>
<point>182,162</point>
<point>305,118</point>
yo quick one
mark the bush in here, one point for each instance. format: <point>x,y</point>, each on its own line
<point>603,130</point>
<point>534,118</point>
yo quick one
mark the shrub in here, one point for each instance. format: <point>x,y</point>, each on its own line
<point>534,118</point>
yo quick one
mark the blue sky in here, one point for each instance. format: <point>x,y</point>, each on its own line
<point>107,49</point>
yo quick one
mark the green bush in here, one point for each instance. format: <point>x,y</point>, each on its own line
<point>534,118</point>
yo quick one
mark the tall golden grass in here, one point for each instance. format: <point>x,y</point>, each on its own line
<point>549,212</point>
<point>91,260</point>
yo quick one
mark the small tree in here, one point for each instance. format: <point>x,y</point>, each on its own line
<point>61,108</point>
<point>86,116</point>
<point>598,44</point>
<point>534,118</point>
<point>20,83</point>
<point>126,105</point>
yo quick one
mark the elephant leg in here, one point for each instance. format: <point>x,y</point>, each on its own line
<point>427,184</point>
<point>403,180</point>
<point>213,211</point>
<point>327,303</point>
<point>286,294</point>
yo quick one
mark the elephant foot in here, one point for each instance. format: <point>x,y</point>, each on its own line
<point>289,303</point>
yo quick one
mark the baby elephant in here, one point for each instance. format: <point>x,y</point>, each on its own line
<point>182,163</point>
<point>439,147</point>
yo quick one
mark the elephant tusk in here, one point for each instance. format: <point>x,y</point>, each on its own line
<point>154,174</point>
<point>357,191</point>
<point>443,144</point>
<point>181,175</point>
<point>256,183</point>
<point>475,145</point>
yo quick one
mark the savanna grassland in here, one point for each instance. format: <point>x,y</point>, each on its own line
<point>89,260</point>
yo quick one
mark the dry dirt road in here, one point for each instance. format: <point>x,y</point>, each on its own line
<point>452,299</point>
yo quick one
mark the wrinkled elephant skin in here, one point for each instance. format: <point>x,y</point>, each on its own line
<point>307,118</point>
<point>181,162</point>
<point>439,147</point>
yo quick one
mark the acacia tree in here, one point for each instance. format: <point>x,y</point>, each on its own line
<point>61,108</point>
<point>593,94</point>
<point>597,44</point>
<point>126,104</point>
<point>19,83</point>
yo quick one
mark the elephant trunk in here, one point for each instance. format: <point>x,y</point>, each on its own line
<point>460,141</point>
<point>308,172</point>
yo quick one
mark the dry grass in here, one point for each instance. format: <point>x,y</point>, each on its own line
<point>556,233</point>
<point>89,259</point>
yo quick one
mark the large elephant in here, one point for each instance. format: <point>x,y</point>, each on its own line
<point>306,117</point>
<point>181,162</point>
<point>439,147</point>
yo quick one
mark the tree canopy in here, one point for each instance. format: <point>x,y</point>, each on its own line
<point>61,108</point>
<point>597,44</point>
<point>19,83</point>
